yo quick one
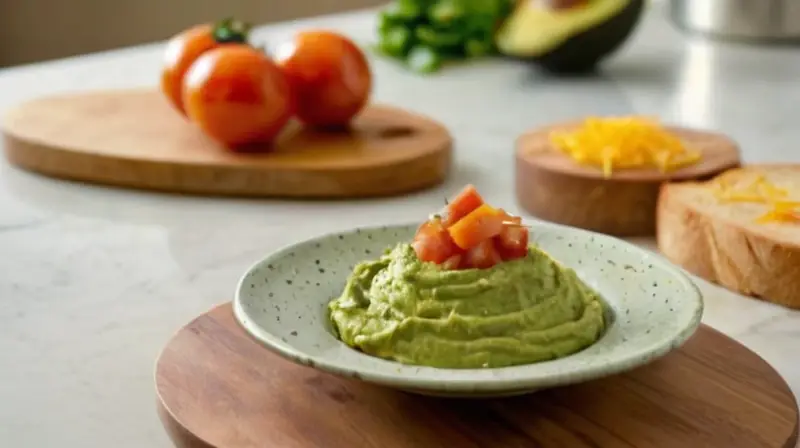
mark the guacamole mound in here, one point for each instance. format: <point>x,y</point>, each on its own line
<point>522,311</point>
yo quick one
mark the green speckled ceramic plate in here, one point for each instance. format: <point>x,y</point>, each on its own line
<point>281,301</point>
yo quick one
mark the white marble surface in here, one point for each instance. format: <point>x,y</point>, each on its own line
<point>94,281</point>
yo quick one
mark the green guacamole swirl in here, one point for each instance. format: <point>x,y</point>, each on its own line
<point>518,312</point>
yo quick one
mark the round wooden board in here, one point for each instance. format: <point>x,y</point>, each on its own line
<point>551,186</point>
<point>133,138</point>
<point>219,388</point>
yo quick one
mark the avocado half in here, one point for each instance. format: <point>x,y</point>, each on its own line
<point>568,41</point>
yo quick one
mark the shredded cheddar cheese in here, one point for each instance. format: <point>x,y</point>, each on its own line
<point>761,191</point>
<point>787,211</point>
<point>624,142</point>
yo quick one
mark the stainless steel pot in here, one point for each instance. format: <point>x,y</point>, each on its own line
<point>739,19</point>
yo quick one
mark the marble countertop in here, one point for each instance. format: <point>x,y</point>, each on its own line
<point>95,280</point>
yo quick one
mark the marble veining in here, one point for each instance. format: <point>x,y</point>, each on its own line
<point>95,280</point>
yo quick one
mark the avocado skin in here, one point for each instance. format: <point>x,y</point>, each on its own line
<point>583,51</point>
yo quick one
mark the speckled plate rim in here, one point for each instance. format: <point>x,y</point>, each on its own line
<point>479,380</point>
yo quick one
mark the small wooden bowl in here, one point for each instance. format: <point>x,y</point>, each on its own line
<point>551,186</point>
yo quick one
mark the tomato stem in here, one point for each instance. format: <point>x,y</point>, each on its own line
<point>230,30</point>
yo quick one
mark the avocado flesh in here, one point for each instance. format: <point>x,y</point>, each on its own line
<point>571,40</point>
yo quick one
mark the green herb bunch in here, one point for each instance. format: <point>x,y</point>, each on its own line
<point>426,33</point>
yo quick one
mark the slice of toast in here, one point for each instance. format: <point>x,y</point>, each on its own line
<point>725,242</point>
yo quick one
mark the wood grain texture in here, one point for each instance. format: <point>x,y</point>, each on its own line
<point>134,139</point>
<point>218,388</point>
<point>551,186</point>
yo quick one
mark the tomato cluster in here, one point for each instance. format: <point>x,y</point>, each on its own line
<point>240,96</point>
<point>471,235</point>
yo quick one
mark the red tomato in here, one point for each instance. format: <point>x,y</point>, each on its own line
<point>237,95</point>
<point>483,223</point>
<point>184,48</point>
<point>432,243</point>
<point>482,256</point>
<point>512,243</point>
<point>463,204</point>
<point>329,74</point>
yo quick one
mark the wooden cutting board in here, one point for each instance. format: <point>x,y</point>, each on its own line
<point>133,138</point>
<point>551,186</point>
<point>218,388</point>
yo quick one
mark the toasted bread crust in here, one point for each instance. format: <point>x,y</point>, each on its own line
<point>726,251</point>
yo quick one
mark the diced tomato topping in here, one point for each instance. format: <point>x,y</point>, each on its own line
<point>473,235</point>
<point>483,223</point>
<point>463,204</point>
<point>433,243</point>
<point>482,256</point>
<point>512,242</point>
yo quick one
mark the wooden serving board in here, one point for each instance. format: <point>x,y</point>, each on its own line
<point>219,388</point>
<point>553,187</point>
<point>133,138</point>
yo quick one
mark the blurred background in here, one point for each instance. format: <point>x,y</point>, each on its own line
<point>38,30</point>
